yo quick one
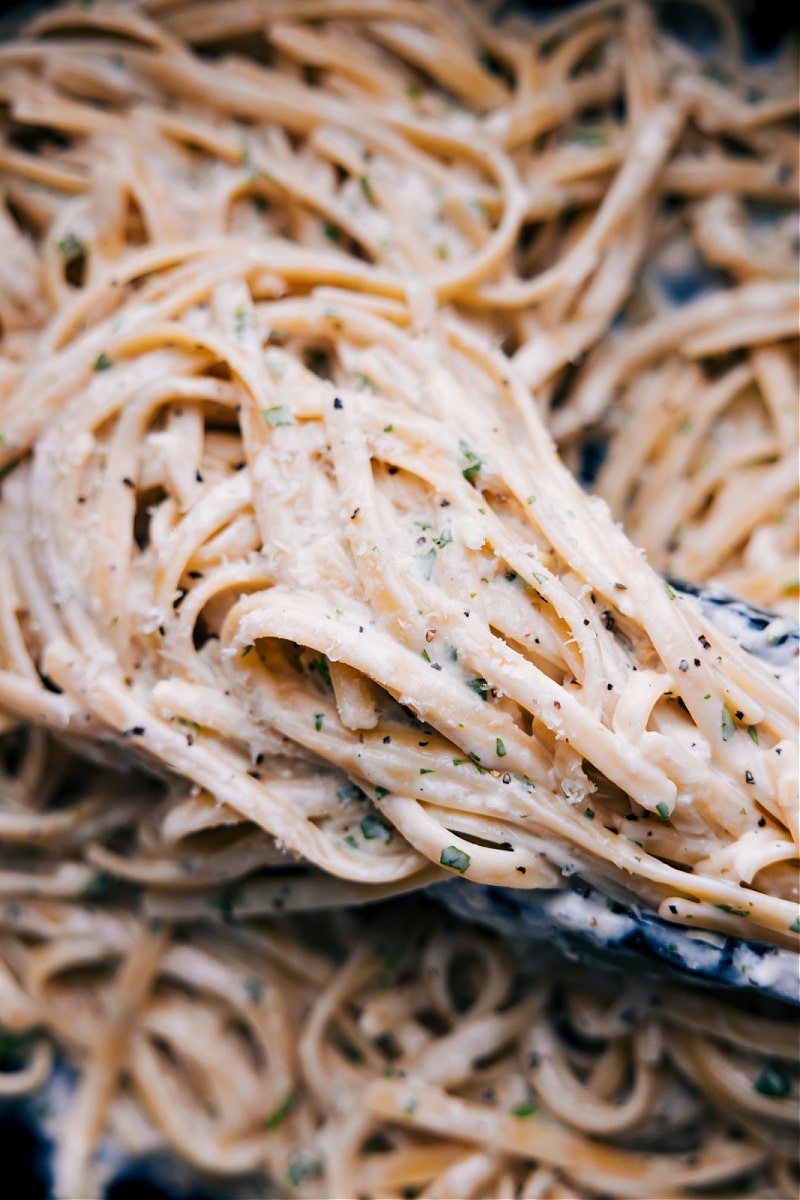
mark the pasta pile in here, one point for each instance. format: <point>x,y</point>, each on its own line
<point>387,1054</point>
<point>314,315</point>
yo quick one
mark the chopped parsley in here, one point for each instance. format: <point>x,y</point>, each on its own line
<point>527,1108</point>
<point>279,414</point>
<point>374,828</point>
<point>241,319</point>
<point>279,1113</point>
<point>322,666</point>
<point>500,748</point>
<point>474,462</point>
<point>669,590</point>
<point>590,137</point>
<point>772,1082</point>
<point>444,539</point>
<point>455,859</point>
<point>365,383</point>
<point>662,810</point>
<point>479,686</point>
<point>70,246</point>
<point>589,812</point>
<point>367,189</point>
<point>426,562</point>
<point>249,166</point>
<point>380,792</point>
<point>414,91</point>
<point>102,362</point>
<point>98,884</point>
<point>301,1168</point>
<point>255,990</point>
<point>716,73</point>
<point>737,912</point>
<point>753,733</point>
<point>728,724</point>
<point>350,793</point>
<point>318,719</point>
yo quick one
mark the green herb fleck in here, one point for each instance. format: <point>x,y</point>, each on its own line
<point>752,733</point>
<point>322,666</point>
<point>102,362</point>
<point>349,1049</point>
<point>350,793</point>
<point>279,1113</point>
<point>795,926</point>
<point>669,590</point>
<point>241,319</point>
<point>98,884</point>
<point>716,73</point>
<point>527,1108</point>
<point>414,91</point>
<point>388,429</point>
<point>318,719</point>
<point>365,383</point>
<point>455,859</point>
<point>426,562</point>
<point>246,650</point>
<point>589,812</point>
<point>737,912</point>
<point>772,1082</point>
<point>279,414</point>
<point>662,810</point>
<point>479,686</point>
<point>728,724</point>
<point>380,792</point>
<point>247,163</point>
<point>332,232</point>
<point>255,990</point>
<point>366,187</point>
<point>444,539</point>
<point>474,462</point>
<point>301,1168</point>
<point>374,828</point>
<point>591,137</point>
<point>70,246</point>
<point>500,748</point>
<point>223,902</point>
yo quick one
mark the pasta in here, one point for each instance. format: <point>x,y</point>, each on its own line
<point>313,314</point>
<point>393,1052</point>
